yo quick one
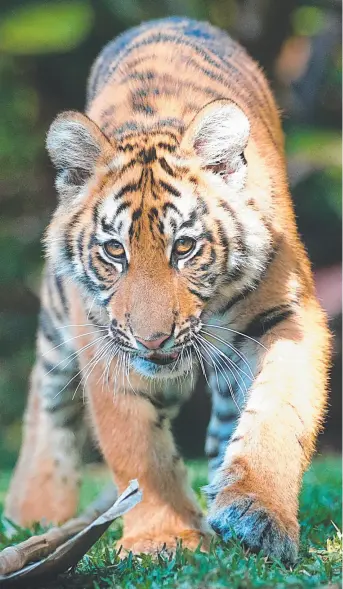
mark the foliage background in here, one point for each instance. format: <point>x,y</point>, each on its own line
<point>46,49</point>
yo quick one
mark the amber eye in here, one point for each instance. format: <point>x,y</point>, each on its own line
<point>183,246</point>
<point>115,250</point>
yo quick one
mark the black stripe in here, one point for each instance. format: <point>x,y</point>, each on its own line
<point>125,167</point>
<point>236,439</point>
<point>68,238</point>
<point>52,295</point>
<point>47,327</point>
<point>237,298</point>
<point>52,369</point>
<point>138,76</point>
<point>272,255</point>
<point>251,288</point>
<point>166,167</point>
<point>226,416</point>
<point>122,207</point>
<point>167,84</point>
<point>159,401</point>
<point>267,320</point>
<point>195,260</point>
<point>207,265</point>
<point>169,188</point>
<point>167,146</point>
<point>170,205</point>
<point>212,454</point>
<point>60,289</point>
<point>183,331</point>
<point>80,244</point>
<point>127,147</point>
<point>137,213</point>
<point>60,405</point>
<point>107,227</point>
<point>239,238</point>
<point>139,106</point>
<point>92,267</point>
<point>193,218</point>
<point>130,187</point>
<point>199,295</point>
<point>146,156</point>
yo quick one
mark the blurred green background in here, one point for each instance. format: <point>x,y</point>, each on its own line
<point>46,50</point>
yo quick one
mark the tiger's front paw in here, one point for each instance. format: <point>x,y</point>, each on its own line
<point>246,518</point>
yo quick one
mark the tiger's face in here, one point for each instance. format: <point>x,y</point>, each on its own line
<point>149,228</point>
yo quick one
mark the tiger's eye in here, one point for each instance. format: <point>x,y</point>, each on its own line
<point>183,246</point>
<point>115,250</point>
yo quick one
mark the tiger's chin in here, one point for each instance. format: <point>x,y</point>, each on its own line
<point>168,370</point>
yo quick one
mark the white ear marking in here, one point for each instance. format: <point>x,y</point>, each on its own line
<point>74,144</point>
<point>221,134</point>
<point>218,135</point>
<point>71,145</point>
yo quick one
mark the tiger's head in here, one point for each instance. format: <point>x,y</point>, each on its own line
<point>154,228</point>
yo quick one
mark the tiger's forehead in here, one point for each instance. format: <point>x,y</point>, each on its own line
<point>150,185</point>
<point>154,149</point>
<point>149,145</point>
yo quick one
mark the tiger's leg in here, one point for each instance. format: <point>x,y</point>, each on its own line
<point>136,441</point>
<point>254,494</point>
<point>223,419</point>
<point>46,479</point>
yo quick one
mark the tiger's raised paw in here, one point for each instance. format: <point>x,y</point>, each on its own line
<point>258,529</point>
<point>153,544</point>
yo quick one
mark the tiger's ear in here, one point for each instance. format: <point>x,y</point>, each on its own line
<point>218,135</point>
<point>75,145</point>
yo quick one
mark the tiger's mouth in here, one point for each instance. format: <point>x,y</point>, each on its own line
<point>160,358</point>
<point>159,364</point>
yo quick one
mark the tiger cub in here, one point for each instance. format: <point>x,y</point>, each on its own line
<point>174,250</point>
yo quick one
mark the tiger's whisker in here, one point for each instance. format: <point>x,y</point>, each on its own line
<point>71,380</point>
<point>233,348</point>
<point>128,373</point>
<point>96,360</point>
<point>71,339</point>
<point>222,372</point>
<point>95,325</point>
<point>238,333</point>
<point>91,307</point>
<point>230,364</point>
<point>201,362</point>
<point>74,354</point>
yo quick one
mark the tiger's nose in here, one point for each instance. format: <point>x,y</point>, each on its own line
<point>153,343</point>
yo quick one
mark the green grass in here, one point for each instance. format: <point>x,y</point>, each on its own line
<point>226,565</point>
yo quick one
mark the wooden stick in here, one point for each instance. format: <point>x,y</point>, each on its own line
<point>35,548</point>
